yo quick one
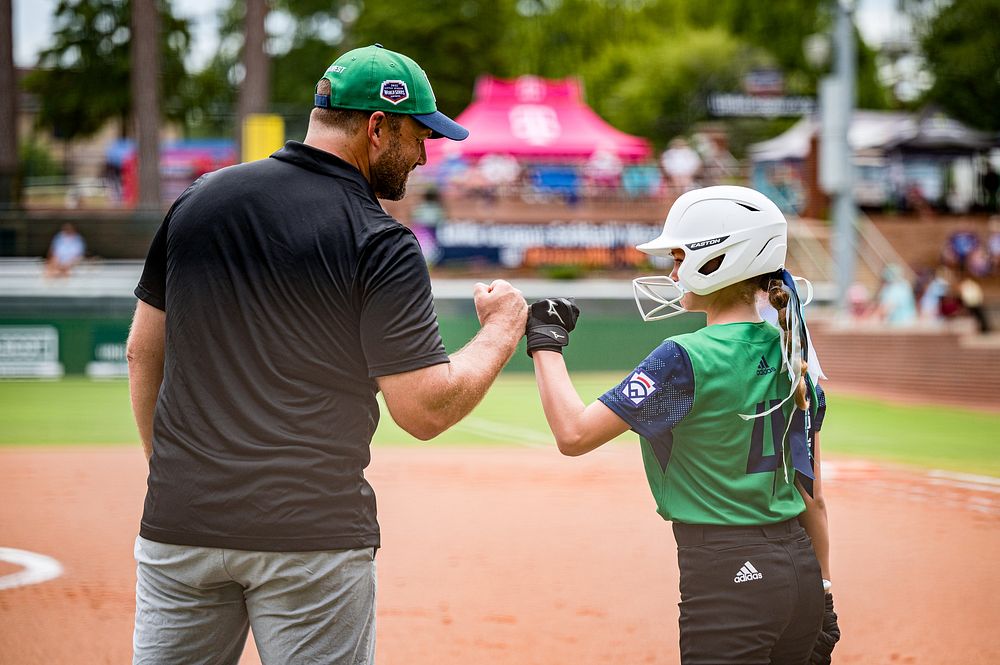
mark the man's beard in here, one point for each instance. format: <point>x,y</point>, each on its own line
<point>390,172</point>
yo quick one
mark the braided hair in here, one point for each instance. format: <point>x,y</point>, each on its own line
<point>779,295</point>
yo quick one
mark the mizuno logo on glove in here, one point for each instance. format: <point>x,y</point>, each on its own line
<point>553,312</point>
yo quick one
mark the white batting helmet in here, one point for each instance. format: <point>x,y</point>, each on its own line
<point>739,224</point>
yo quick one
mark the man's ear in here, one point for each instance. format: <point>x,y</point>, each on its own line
<point>377,122</point>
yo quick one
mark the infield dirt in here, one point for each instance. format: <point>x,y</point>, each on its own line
<point>519,556</point>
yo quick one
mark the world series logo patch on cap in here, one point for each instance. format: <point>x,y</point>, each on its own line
<point>394,91</point>
<point>638,387</point>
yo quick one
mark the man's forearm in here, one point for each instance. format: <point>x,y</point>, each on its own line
<point>426,402</point>
<point>145,353</point>
<point>144,379</point>
<point>473,370</point>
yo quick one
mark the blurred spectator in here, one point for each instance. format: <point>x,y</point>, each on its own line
<point>718,164</point>
<point>991,183</point>
<point>500,171</point>
<point>971,295</point>
<point>896,304</point>
<point>978,262</point>
<point>426,216</point>
<point>788,185</point>
<point>65,252</point>
<point>924,276</point>
<point>960,245</point>
<point>604,171</point>
<point>556,181</point>
<point>897,185</point>
<point>472,182</point>
<point>429,212</point>
<point>951,306</point>
<point>450,171</point>
<point>642,180</point>
<point>993,243</point>
<point>933,295</point>
<point>915,200</point>
<point>681,164</point>
<point>859,300</point>
<point>113,180</point>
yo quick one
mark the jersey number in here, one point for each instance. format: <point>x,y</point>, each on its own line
<point>758,462</point>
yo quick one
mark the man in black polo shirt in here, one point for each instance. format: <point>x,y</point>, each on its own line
<point>277,299</point>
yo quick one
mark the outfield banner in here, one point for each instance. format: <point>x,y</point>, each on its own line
<point>748,106</point>
<point>29,352</point>
<point>586,244</point>
<point>108,353</point>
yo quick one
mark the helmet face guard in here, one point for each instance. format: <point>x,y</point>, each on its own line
<point>661,290</point>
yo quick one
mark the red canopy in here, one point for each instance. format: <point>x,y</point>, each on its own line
<point>533,118</point>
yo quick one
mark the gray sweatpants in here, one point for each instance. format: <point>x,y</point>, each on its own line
<point>194,605</point>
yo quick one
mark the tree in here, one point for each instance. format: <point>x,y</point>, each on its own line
<point>210,95</point>
<point>82,81</point>
<point>320,31</point>
<point>8,107</point>
<point>661,101</point>
<point>145,86</point>
<point>962,47</point>
<point>454,44</point>
<point>255,89</point>
<point>557,39</point>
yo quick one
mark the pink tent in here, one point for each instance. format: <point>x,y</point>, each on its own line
<point>533,118</point>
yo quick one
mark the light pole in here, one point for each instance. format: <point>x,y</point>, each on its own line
<point>836,163</point>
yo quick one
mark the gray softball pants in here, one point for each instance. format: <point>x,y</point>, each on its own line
<point>194,605</point>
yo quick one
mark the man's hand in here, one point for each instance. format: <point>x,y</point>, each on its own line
<point>502,304</point>
<point>549,323</point>
<point>828,637</point>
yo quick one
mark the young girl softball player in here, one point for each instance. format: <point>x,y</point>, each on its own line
<point>728,419</point>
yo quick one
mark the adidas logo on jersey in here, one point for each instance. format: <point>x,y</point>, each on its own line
<point>747,574</point>
<point>763,368</point>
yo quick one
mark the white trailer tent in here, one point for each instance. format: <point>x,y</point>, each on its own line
<point>896,155</point>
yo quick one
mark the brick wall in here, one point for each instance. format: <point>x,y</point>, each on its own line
<point>933,366</point>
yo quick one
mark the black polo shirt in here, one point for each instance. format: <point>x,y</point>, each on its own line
<point>287,290</point>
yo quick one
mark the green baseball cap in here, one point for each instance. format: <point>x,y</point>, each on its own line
<point>374,78</point>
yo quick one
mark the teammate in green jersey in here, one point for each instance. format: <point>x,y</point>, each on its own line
<point>728,419</point>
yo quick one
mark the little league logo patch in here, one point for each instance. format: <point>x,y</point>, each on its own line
<point>394,91</point>
<point>638,388</point>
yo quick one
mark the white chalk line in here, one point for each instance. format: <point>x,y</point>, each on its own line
<point>491,429</point>
<point>967,480</point>
<point>38,568</point>
<point>979,493</point>
<point>532,438</point>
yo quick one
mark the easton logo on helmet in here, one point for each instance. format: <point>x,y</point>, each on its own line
<point>705,243</point>
<point>394,91</point>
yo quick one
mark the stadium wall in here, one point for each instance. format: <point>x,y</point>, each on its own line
<point>92,332</point>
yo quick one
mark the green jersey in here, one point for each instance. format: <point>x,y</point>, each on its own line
<point>705,464</point>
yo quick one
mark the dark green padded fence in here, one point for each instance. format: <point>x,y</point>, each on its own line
<point>610,336</point>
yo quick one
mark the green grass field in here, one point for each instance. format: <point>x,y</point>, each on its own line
<point>80,411</point>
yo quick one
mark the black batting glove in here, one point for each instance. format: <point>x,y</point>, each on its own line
<point>828,636</point>
<point>549,324</point>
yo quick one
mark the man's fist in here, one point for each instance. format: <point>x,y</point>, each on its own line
<point>500,303</point>
<point>549,324</point>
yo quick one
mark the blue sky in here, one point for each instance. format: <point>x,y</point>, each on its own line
<point>877,20</point>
